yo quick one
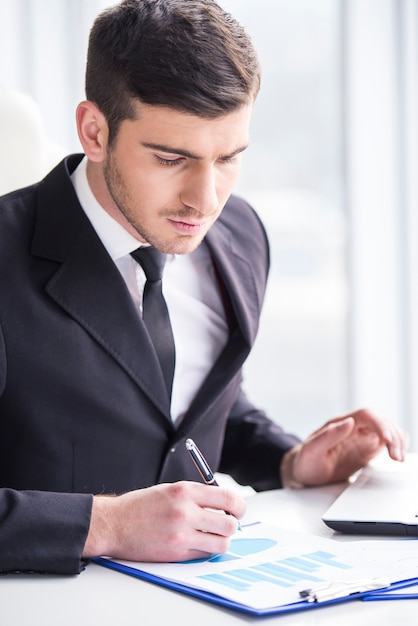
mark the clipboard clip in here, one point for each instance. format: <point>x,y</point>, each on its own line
<point>342,589</point>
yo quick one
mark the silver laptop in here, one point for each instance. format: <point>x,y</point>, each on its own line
<point>382,500</point>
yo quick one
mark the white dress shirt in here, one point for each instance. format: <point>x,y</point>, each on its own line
<point>190,289</point>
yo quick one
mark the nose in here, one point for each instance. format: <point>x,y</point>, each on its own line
<point>200,191</point>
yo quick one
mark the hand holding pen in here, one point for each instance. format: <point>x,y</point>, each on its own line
<point>203,466</point>
<point>166,522</point>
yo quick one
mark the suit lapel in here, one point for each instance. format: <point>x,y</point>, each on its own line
<point>89,287</point>
<point>236,273</point>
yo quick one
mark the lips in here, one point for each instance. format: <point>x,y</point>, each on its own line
<point>188,228</point>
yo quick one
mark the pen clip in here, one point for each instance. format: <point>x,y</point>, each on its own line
<point>342,589</point>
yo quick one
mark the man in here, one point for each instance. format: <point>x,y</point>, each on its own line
<point>86,406</point>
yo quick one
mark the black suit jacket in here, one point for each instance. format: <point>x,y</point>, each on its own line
<point>82,403</point>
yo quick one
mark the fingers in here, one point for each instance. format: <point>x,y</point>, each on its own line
<point>209,509</point>
<point>194,515</point>
<point>215,520</point>
<point>335,451</point>
<point>398,445</point>
<point>390,434</point>
<point>218,498</point>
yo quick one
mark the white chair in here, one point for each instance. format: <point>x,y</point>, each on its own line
<point>26,153</point>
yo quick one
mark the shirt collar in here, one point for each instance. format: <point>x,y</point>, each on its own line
<point>116,239</point>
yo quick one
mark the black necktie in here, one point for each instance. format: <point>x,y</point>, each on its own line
<point>155,312</point>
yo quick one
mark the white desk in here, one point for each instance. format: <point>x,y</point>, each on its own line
<point>102,597</point>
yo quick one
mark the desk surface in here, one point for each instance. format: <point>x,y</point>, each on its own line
<point>102,597</point>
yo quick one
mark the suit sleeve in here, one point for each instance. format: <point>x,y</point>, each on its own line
<point>40,531</point>
<point>43,532</point>
<point>254,447</point>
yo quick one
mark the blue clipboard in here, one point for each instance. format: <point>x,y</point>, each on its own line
<point>391,593</point>
<point>227,603</point>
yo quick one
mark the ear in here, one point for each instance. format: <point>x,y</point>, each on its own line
<point>92,130</point>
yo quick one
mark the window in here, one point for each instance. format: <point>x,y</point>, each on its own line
<point>381,89</point>
<point>293,175</point>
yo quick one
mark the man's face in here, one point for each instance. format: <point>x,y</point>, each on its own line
<point>168,174</point>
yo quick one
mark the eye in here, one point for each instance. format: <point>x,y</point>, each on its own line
<point>163,161</point>
<point>228,159</point>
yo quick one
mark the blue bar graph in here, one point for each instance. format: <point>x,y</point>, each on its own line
<point>284,572</point>
<point>327,559</point>
<point>226,582</point>
<point>301,564</point>
<point>254,577</point>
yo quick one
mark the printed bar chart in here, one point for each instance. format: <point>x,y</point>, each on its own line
<point>264,567</point>
<point>285,572</point>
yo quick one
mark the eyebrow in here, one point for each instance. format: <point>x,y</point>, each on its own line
<point>187,153</point>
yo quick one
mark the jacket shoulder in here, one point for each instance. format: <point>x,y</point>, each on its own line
<point>246,230</point>
<point>17,214</point>
<point>238,215</point>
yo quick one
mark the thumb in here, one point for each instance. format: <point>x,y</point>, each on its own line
<point>332,434</point>
<point>316,462</point>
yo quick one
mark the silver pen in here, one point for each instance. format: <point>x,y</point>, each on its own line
<point>203,467</point>
<point>201,463</point>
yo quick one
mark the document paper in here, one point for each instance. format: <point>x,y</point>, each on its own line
<point>266,567</point>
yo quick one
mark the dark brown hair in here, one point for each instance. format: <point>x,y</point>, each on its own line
<point>189,55</point>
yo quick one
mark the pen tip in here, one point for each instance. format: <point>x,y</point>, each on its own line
<point>189,444</point>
